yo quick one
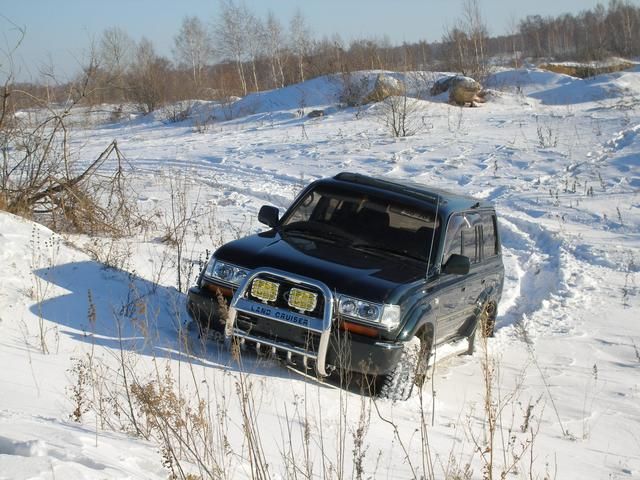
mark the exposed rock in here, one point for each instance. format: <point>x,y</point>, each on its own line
<point>315,114</point>
<point>462,90</point>
<point>440,86</point>
<point>384,87</point>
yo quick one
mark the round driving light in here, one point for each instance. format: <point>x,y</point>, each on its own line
<point>369,312</point>
<point>224,272</point>
<point>348,307</point>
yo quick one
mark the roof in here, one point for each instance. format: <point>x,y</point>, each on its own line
<point>445,200</point>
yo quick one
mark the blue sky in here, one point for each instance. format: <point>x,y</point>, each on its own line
<point>59,32</point>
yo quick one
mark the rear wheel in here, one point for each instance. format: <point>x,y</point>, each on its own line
<point>398,385</point>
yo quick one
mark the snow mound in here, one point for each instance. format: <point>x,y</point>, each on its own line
<point>560,89</point>
<point>624,139</point>
<point>318,92</point>
<point>528,81</point>
<point>45,448</point>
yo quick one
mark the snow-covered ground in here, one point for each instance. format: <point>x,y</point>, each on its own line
<point>559,156</point>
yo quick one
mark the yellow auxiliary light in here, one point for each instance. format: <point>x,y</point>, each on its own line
<point>302,300</point>
<point>264,290</point>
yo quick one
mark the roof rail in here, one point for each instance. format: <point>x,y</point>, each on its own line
<point>403,188</point>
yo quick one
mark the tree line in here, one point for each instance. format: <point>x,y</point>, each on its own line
<point>239,52</point>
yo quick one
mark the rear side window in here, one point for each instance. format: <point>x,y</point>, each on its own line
<point>472,235</point>
<point>491,248</point>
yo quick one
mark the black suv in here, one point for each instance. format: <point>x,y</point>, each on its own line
<point>359,275</point>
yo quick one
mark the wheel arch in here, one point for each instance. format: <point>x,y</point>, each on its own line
<point>421,323</point>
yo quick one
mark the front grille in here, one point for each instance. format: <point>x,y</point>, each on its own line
<point>278,331</point>
<point>262,316</point>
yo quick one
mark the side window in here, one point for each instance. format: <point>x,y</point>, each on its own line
<point>470,242</point>
<point>473,237</point>
<point>306,208</point>
<point>464,237</point>
<point>453,239</point>
<point>490,238</point>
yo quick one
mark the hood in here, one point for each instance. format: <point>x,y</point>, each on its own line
<point>369,276</point>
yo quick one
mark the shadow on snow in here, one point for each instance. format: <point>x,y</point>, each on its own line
<point>115,309</point>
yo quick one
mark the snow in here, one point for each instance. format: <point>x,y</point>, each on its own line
<point>559,156</point>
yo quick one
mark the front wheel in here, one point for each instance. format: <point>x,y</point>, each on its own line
<point>398,385</point>
<point>485,325</point>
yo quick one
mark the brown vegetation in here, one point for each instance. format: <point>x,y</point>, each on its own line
<point>586,70</point>
<point>39,176</point>
<point>241,52</point>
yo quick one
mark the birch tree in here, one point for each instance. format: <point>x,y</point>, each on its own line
<point>193,48</point>
<point>255,39</point>
<point>300,41</point>
<point>115,55</point>
<point>230,37</point>
<point>274,43</point>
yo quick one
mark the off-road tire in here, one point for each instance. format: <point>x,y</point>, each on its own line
<point>398,385</point>
<point>210,329</point>
<point>484,327</point>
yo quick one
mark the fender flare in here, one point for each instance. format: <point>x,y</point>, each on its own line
<point>421,319</point>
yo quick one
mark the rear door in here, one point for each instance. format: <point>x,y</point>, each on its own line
<point>493,269</point>
<point>458,292</point>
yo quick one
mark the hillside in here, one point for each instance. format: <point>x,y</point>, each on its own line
<point>559,156</point>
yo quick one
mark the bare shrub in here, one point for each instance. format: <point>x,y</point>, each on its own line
<point>79,389</point>
<point>40,177</point>
<point>110,252</point>
<point>44,255</point>
<point>401,114</point>
<point>509,428</point>
<point>548,133</point>
<point>179,221</point>
<point>202,124</point>
<point>177,112</point>
<point>148,78</point>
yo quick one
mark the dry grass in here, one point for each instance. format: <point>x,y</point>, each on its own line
<point>585,70</point>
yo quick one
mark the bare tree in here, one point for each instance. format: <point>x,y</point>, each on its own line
<point>116,50</point>
<point>193,48</point>
<point>624,20</point>
<point>274,44</point>
<point>149,77</point>
<point>255,39</point>
<point>230,37</point>
<point>465,43</point>
<point>38,177</point>
<point>115,54</point>
<point>514,37</point>
<point>300,39</point>
<point>456,50</point>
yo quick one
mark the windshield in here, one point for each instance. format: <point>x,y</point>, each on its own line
<point>376,225</point>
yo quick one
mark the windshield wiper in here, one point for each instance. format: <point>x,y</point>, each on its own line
<point>383,249</point>
<point>301,232</point>
<point>324,231</point>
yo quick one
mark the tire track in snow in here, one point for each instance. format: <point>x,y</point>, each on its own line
<point>535,288</point>
<point>226,177</point>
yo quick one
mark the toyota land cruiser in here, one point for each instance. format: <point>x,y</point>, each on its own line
<point>360,274</point>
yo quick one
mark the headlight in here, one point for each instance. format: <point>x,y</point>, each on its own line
<point>387,316</point>
<point>225,272</point>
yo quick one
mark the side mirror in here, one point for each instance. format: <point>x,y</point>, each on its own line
<point>457,265</point>
<point>268,215</point>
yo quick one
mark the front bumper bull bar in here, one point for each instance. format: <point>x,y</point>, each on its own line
<point>321,326</point>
